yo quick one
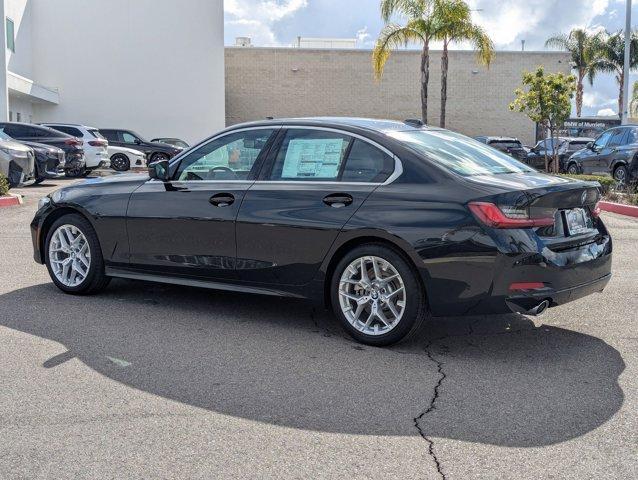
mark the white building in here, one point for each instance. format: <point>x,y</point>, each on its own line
<point>144,65</point>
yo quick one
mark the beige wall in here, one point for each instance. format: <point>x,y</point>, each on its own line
<point>286,82</point>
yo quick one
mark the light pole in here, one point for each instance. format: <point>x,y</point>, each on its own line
<point>625,107</point>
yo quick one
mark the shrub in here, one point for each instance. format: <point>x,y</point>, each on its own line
<point>4,185</point>
<point>607,183</point>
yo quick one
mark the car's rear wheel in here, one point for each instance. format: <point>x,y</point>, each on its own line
<point>572,169</point>
<point>377,296</point>
<point>75,172</point>
<point>73,256</point>
<point>620,174</point>
<point>120,162</point>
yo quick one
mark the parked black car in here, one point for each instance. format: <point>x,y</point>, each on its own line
<point>155,151</point>
<point>176,142</point>
<point>386,221</point>
<point>49,161</point>
<point>614,152</point>
<point>72,147</point>
<point>565,148</point>
<point>511,146</point>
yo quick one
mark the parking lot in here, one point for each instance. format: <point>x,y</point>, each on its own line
<point>157,381</point>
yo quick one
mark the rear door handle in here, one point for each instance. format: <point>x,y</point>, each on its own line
<point>337,200</point>
<point>222,199</point>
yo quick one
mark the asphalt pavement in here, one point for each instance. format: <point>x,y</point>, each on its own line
<point>156,381</point>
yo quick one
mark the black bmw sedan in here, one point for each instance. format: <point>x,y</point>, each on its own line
<point>386,222</point>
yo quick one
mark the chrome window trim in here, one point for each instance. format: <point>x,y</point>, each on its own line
<point>398,165</point>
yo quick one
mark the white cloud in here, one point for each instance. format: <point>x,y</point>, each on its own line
<point>363,37</point>
<point>254,18</point>
<point>606,112</point>
<point>597,99</point>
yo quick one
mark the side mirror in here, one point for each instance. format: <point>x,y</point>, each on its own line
<point>137,141</point>
<point>159,170</point>
<point>590,145</point>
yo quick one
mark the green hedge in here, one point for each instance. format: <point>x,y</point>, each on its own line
<point>606,182</point>
<point>4,185</point>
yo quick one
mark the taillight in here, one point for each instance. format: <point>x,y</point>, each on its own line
<point>507,217</point>
<point>522,286</point>
<point>98,143</point>
<point>595,211</point>
<point>73,141</point>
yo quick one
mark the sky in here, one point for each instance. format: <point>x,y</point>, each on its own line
<point>279,22</point>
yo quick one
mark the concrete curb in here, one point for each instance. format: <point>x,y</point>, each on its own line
<point>10,200</point>
<point>629,210</point>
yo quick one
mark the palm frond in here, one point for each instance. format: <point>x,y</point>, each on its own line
<point>406,8</point>
<point>391,37</point>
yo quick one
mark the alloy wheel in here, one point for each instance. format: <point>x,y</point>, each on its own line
<point>620,175</point>
<point>69,255</point>
<point>119,163</point>
<point>372,295</point>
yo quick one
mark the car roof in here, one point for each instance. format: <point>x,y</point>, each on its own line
<point>373,124</point>
<point>57,124</point>
<point>500,139</point>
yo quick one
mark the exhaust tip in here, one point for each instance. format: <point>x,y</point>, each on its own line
<point>539,309</point>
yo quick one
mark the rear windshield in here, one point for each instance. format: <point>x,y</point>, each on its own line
<point>577,145</point>
<point>502,145</point>
<point>459,153</point>
<point>96,133</point>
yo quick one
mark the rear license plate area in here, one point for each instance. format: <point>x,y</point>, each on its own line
<point>577,221</point>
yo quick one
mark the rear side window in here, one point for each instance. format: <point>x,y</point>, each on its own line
<point>96,133</point>
<point>68,130</point>
<point>110,135</point>
<point>310,155</point>
<point>504,145</point>
<point>617,138</point>
<point>575,146</point>
<point>366,163</point>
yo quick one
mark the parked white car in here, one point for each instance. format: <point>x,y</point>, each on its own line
<point>123,158</point>
<point>94,144</point>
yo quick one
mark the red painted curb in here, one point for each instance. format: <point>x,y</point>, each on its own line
<point>10,200</point>
<point>629,210</point>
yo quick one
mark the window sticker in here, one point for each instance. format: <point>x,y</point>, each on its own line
<point>308,158</point>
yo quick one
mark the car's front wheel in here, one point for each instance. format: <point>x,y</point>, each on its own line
<point>73,256</point>
<point>572,169</point>
<point>377,296</point>
<point>120,162</point>
<point>620,174</point>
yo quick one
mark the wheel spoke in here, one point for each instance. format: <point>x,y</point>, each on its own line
<point>365,279</point>
<point>358,311</point>
<point>69,255</point>
<point>381,316</point>
<point>375,267</point>
<point>392,309</point>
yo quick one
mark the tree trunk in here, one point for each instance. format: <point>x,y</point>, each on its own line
<point>425,78</point>
<point>444,69</point>
<point>579,92</point>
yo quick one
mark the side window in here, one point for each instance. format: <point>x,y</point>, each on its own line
<point>13,130</point>
<point>110,135</point>
<point>307,154</point>
<point>128,137</point>
<point>231,157</point>
<point>618,138</point>
<point>632,136</point>
<point>70,130</point>
<point>602,140</point>
<point>40,132</point>
<point>366,163</point>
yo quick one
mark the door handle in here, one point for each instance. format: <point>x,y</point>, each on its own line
<point>222,199</point>
<point>337,200</point>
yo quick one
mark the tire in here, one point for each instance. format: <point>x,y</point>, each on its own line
<point>572,169</point>
<point>75,173</point>
<point>156,157</point>
<point>120,162</point>
<point>620,174</point>
<point>344,289</point>
<point>39,180</point>
<point>94,278</point>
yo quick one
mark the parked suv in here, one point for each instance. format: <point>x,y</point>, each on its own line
<point>611,153</point>
<point>94,144</point>
<point>74,165</point>
<point>154,151</point>
<point>565,148</point>
<point>511,146</point>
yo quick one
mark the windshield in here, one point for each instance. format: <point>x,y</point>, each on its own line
<point>459,153</point>
<point>3,136</point>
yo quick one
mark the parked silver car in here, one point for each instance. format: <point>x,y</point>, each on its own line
<point>17,162</point>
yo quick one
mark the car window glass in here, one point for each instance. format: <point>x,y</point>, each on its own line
<point>367,163</point>
<point>575,146</point>
<point>96,133</point>
<point>617,138</point>
<point>13,130</point>
<point>307,154</point>
<point>603,139</point>
<point>128,137</point>
<point>231,157</point>
<point>110,135</point>
<point>69,130</point>
<point>632,136</point>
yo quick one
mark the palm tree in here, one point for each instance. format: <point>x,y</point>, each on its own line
<point>418,29</point>
<point>633,104</point>
<point>453,23</point>
<point>611,56</point>
<point>584,48</point>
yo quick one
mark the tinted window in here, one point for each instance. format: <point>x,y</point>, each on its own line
<point>603,139</point>
<point>69,130</point>
<point>459,153</point>
<point>14,130</point>
<point>110,135</point>
<point>366,163</point>
<point>632,136</point>
<point>231,157</point>
<point>310,155</point>
<point>617,138</point>
<point>505,144</point>
<point>574,146</point>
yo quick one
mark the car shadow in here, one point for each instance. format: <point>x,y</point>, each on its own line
<point>504,381</point>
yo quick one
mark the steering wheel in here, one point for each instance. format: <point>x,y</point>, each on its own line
<point>223,169</point>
